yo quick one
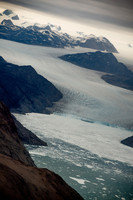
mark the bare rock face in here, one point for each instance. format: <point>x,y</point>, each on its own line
<point>10,143</point>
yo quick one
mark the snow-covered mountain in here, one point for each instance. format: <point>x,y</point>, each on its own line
<point>48,35</point>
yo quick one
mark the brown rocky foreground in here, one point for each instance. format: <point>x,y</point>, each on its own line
<point>21,182</point>
<point>19,178</point>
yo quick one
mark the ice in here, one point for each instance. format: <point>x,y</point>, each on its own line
<point>85,94</point>
<point>89,166</point>
<point>91,109</point>
<point>80,181</point>
<point>100,179</point>
<point>104,188</point>
<point>99,139</point>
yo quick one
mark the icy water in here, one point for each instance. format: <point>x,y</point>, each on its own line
<point>93,176</point>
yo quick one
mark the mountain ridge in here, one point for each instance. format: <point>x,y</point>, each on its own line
<point>51,36</point>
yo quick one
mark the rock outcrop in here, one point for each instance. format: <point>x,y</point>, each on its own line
<point>10,143</point>
<point>19,178</point>
<point>23,90</point>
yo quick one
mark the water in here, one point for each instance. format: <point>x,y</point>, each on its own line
<point>93,177</point>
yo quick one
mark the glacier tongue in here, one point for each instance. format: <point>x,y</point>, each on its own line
<point>85,94</point>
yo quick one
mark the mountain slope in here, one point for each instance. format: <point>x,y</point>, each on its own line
<point>118,73</point>
<point>23,90</point>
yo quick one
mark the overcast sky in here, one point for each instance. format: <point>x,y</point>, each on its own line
<point>91,12</point>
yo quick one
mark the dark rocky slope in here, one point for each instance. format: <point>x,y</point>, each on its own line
<point>128,141</point>
<point>10,143</point>
<point>118,73</point>
<point>19,179</point>
<point>45,36</point>
<point>23,90</point>
<point>26,136</point>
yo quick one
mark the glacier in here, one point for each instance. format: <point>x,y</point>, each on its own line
<point>86,95</point>
<point>86,126</point>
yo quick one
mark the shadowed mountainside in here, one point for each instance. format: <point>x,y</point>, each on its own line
<point>23,90</point>
<point>118,73</point>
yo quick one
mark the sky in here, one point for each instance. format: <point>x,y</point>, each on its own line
<point>89,12</point>
<point>110,18</point>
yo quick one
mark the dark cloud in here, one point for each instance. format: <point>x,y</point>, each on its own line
<point>109,12</point>
<point>118,3</point>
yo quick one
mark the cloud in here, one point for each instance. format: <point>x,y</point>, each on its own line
<point>96,12</point>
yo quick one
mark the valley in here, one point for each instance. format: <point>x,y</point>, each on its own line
<point>86,127</point>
